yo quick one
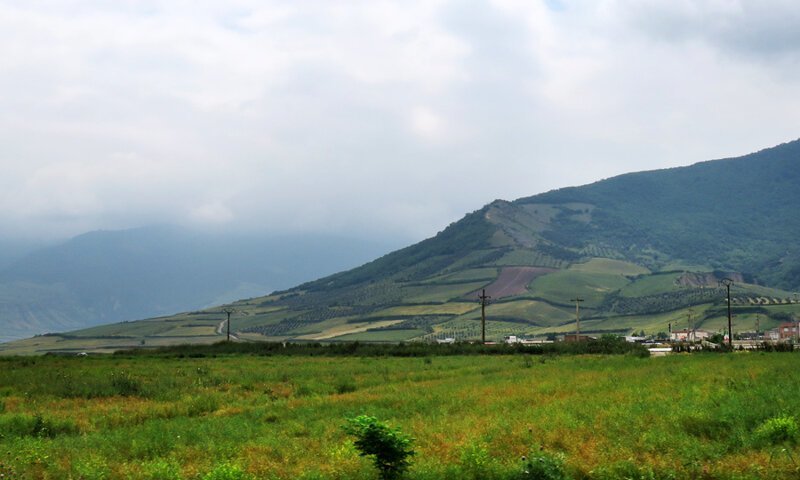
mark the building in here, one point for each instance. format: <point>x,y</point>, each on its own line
<point>571,337</point>
<point>772,335</point>
<point>788,330</point>
<point>688,335</point>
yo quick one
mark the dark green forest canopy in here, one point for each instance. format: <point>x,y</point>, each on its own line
<point>738,214</point>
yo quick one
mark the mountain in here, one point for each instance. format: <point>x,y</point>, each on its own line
<point>112,276</point>
<point>644,251</point>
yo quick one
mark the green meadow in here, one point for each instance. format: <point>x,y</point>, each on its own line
<point>281,417</point>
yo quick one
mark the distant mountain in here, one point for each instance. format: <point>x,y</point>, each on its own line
<point>644,251</point>
<point>13,250</point>
<point>110,276</point>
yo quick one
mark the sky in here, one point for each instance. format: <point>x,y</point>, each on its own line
<point>368,118</point>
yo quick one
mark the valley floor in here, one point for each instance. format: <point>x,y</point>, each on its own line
<point>699,416</point>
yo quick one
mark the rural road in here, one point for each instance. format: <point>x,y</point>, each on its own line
<point>221,330</point>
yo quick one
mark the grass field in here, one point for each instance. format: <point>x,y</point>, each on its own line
<point>681,416</point>
<point>609,266</point>
<point>561,286</point>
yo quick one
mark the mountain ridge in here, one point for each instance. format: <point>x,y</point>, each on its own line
<point>623,244</point>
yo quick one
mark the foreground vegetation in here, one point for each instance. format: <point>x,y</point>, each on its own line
<point>495,416</point>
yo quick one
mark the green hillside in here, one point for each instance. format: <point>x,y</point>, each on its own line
<point>642,250</point>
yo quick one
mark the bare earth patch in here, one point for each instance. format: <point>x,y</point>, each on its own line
<point>513,281</point>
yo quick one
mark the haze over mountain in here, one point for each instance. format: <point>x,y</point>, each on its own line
<point>110,276</point>
<point>643,250</point>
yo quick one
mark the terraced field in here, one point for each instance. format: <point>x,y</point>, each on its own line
<point>620,297</point>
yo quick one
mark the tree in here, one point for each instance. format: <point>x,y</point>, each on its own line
<point>389,447</point>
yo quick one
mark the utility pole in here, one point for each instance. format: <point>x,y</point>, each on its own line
<point>229,311</point>
<point>690,325</point>
<point>577,301</point>
<point>727,282</point>
<point>484,299</point>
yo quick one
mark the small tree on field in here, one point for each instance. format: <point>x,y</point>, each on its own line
<point>389,447</point>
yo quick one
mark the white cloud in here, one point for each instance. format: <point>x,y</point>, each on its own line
<point>369,116</point>
<point>426,123</point>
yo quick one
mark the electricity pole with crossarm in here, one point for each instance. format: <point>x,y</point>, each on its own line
<point>229,311</point>
<point>577,301</point>
<point>484,299</point>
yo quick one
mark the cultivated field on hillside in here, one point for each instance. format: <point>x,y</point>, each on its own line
<point>238,416</point>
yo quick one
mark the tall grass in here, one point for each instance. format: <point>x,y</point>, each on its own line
<point>609,344</point>
<point>251,416</point>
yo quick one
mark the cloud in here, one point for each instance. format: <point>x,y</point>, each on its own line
<point>759,30</point>
<point>377,118</point>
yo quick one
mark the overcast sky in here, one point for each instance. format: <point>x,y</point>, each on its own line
<point>368,118</point>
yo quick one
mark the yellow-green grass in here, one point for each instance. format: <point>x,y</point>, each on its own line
<point>131,329</point>
<point>440,293</point>
<point>530,311</point>
<point>452,308</point>
<point>651,324</point>
<point>486,274</point>
<point>244,320</point>
<point>686,267</point>
<point>399,335</point>
<point>759,290</point>
<point>609,266</point>
<point>318,327</point>
<point>469,260</point>
<point>469,328</point>
<point>742,322</point>
<point>189,331</point>
<point>472,417</point>
<point>562,286</point>
<point>520,257</point>
<point>651,285</point>
<point>336,331</point>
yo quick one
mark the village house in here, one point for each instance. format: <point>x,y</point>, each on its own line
<point>772,335</point>
<point>787,330</point>
<point>688,335</point>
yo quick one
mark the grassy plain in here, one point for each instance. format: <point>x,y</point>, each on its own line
<point>472,416</point>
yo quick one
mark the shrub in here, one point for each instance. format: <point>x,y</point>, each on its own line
<point>543,466</point>
<point>477,464</point>
<point>125,385</point>
<point>706,427</point>
<point>23,425</point>
<point>626,470</point>
<point>202,404</point>
<point>161,469</point>
<point>226,471</point>
<point>345,385</point>
<point>389,447</point>
<point>778,431</point>
<point>91,468</point>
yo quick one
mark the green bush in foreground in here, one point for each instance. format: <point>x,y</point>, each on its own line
<point>389,447</point>
<point>778,431</point>
<point>226,471</point>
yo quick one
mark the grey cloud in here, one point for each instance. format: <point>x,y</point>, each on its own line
<point>754,29</point>
<point>380,118</point>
